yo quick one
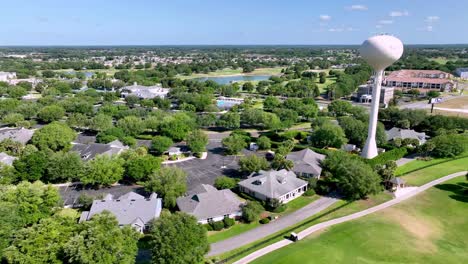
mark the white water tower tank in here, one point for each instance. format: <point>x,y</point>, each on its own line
<point>381,51</point>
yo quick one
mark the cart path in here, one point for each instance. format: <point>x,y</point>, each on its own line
<point>314,228</point>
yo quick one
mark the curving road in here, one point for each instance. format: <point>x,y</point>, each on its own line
<point>271,228</point>
<point>350,217</point>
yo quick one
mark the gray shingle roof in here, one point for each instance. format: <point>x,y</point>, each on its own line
<point>273,184</point>
<point>128,209</point>
<point>6,159</point>
<point>22,135</point>
<point>210,203</point>
<point>307,161</point>
<point>396,132</point>
<point>89,151</point>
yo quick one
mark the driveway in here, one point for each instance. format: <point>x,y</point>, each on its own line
<point>271,228</point>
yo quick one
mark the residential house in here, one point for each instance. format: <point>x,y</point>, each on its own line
<point>462,73</point>
<point>208,204</point>
<point>396,132</point>
<point>6,76</point>
<point>267,185</point>
<point>6,159</point>
<point>89,151</point>
<point>306,163</point>
<point>22,135</point>
<point>129,209</point>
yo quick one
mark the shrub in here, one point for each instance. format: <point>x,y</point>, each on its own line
<point>265,220</point>
<point>217,226</point>
<point>393,154</point>
<point>448,146</point>
<point>228,222</point>
<point>251,211</point>
<point>309,192</point>
<point>85,201</point>
<point>280,208</point>
<point>208,227</point>
<point>264,142</point>
<point>224,182</point>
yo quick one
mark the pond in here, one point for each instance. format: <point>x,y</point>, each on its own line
<point>87,74</point>
<point>237,78</point>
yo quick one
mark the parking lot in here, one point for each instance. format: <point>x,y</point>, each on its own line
<point>207,170</point>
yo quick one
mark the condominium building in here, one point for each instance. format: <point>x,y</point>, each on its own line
<point>422,80</point>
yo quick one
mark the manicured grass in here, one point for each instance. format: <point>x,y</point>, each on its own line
<point>456,103</point>
<point>239,228</point>
<point>431,173</point>
<point>238,71</point>
<point>339,209</point>
<point>430,228</point>
<point>329,80</point>
<point>417,164</point>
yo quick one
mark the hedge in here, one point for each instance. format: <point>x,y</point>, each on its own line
<point>217,226</point>
<point>265,220</point>
<point>393,154</point>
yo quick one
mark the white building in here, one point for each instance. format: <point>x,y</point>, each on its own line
<point>6,76</point>
<point>462,73</point>
<point>145,92</point>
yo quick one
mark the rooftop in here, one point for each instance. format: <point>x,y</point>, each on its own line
<point>306,160</point>
<point>22,135</point>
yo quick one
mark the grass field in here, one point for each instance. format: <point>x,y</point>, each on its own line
<point>232,72</point>
<point>430,228</point>
<point>329,80</point>
<point>456,103</point>
<point>339,209</point>
<point>431,173</point>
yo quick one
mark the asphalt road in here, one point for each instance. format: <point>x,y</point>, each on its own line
<point>271,228</point>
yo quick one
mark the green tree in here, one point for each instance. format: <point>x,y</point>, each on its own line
<point>253,163</point>
<point>63,167</point>
<point>448,145</point>
<point>234,144</point>
<point>280,162</point>
<point>101,122</point>
<point>138,168</point>
<point>55,136</point>
<point>229,120</point>
<point>102,241</point>
<point>103,170</point>
<point>31,166</point>
<point>251,211</point>
<point>169,183</point>
<point>248,87</point>
<point>131,125</point>
<point>224,182</point>
<point>339,108</point>
<point>178,239</point>
<point>328,136</point>
<point>264,142</point>
<point>16,92</point>
<point>354,178</point>
<point>270,103</point>
<point>12,119</point>
<point>34,201</point>
<point>177,126</point>
<point>51,113</point>
<point>43,242</point>
<point>161,144</point>
<point>197,141</point>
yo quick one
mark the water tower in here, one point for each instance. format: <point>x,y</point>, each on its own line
<point>379,52</point>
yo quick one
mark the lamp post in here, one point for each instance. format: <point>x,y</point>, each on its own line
<point>379,52</point>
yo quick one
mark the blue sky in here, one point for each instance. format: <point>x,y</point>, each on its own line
<point>158,22</point>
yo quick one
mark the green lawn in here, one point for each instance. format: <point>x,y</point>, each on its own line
<point>431,173</point>
<point>329,80</point>
<point>230,72</point>
<point>339,209</point>
<point>239,228</point>
<point>431,228</point>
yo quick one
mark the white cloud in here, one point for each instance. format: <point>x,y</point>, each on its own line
<point>351,29</point>
<point>432,19</point>
<point>335,29</point>
<point>386,22</point>
<point>378,26</point>
<point>399,13</point>
<point>325,17</point>
<point>358,7</point>
<point>429,28</point>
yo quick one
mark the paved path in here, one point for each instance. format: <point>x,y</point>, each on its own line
<point>271,228</point>
<point>406,159</point>
<point>350,217</point>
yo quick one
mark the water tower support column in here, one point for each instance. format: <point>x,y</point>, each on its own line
<point>370,148</point>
